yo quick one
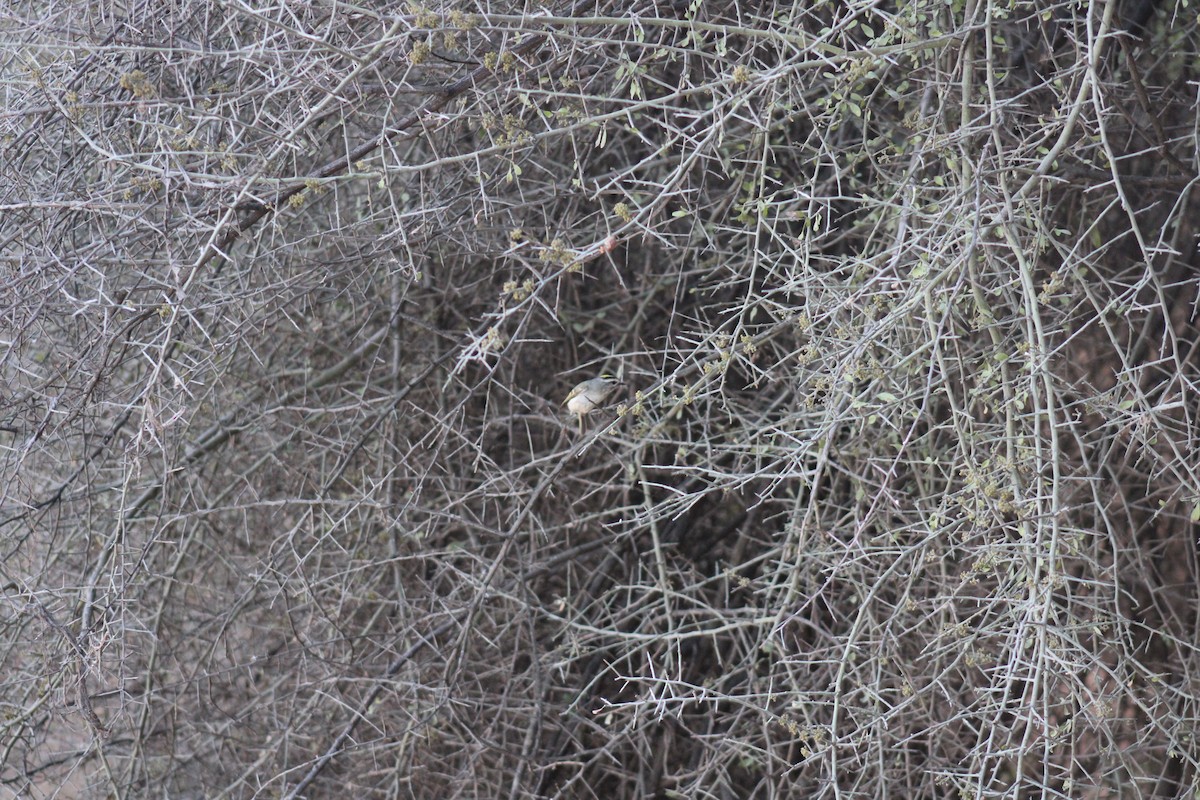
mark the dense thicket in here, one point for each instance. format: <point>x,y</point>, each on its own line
<point>900,498</point>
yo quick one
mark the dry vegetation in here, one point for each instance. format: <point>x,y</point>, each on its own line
<point>901,500</point>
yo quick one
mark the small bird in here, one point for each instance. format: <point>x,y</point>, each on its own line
<point>590,395</point>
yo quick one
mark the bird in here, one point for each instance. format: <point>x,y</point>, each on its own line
<point>590,395</point>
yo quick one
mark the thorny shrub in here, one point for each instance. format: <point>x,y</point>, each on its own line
<point>899,498</point>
